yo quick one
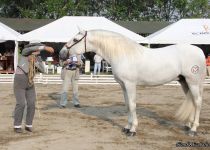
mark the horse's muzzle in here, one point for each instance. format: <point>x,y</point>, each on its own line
<point>63,54</point>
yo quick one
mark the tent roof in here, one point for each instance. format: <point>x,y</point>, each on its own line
<point>29,24</point>
<point>25,24</point>
<point>143,27</point>
<point>63,29</point>
<point>191,31</point>
<point>7,33</point>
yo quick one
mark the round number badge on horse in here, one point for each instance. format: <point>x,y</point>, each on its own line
<point>195,69</point>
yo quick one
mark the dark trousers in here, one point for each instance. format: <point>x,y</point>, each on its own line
<point>24,94</point>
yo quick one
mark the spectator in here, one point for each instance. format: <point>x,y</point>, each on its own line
<point>208,65</point>
<point>97,65</point>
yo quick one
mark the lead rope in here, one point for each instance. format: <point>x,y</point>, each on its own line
<point>32,71</point>
<point>31,74</point>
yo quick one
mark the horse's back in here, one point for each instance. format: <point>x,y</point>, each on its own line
<point>187,50</point>
<point>183,50</point>
<point>185,54</point>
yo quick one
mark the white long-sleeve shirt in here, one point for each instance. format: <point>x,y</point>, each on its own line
<point>97,58</point>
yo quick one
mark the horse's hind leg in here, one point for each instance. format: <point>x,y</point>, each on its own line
<point>196,91</point>
<point>189,102</point>
<point>190,109</point>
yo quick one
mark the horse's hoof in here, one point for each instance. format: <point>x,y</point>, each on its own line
<point>186,128</point>
<point>192,133</point>
<point>131,133</point>
<point>125,130</point>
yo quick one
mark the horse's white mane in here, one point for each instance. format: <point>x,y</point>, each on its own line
<point>114,44</point>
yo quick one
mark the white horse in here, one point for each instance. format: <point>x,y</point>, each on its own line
<point>133,64</point>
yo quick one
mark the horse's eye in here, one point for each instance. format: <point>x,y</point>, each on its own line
<point>75,40</point>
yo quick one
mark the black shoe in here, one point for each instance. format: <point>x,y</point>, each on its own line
<point>77,106</point>
<point>18,130</point>
<point>62,107</point>
<point>29,129</point>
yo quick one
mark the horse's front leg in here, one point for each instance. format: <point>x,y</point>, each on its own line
<point>130,98</point>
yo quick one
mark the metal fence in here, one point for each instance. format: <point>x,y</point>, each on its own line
<point>56,79</point>
<point>84,79</point>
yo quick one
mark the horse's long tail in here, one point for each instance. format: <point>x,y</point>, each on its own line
<point>187,109</point>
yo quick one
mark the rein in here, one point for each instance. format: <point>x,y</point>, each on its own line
<point>79,41</point>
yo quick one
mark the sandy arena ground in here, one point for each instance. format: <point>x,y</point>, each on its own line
<point>97,125</point>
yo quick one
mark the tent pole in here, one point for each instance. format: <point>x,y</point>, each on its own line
<point>16,55</point>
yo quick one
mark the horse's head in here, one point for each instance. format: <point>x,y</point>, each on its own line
<point>77,45</point>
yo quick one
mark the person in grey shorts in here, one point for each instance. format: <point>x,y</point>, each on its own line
<point>24,89</point>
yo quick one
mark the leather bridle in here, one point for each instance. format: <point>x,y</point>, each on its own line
<point>79,41</point>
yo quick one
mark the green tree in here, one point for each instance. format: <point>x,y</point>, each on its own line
<point>161,10</point>
<point>14,8</point>
<point>126,9</point>
<point>197,8</point>
<point>175,9</point>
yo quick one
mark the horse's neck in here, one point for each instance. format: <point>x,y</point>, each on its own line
<point>99,48</point>
<point>109,49</point>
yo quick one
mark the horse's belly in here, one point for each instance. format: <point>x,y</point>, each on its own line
<point>155,82</point>
<point>158,77</point>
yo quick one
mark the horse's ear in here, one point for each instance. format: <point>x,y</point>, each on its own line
<point>80,30</point>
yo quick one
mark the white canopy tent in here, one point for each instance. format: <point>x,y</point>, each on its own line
<point>63,29</point>
<point>6,33</point>
<point>191,31</point>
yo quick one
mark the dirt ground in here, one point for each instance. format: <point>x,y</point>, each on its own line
<point>97,125</point>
